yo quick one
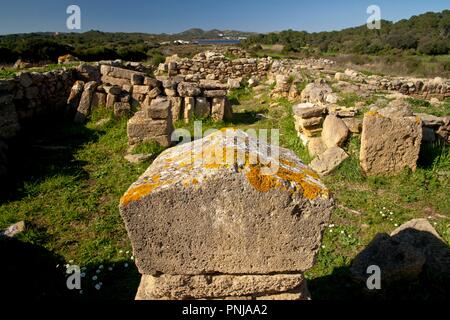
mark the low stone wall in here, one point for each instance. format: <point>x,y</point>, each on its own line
<point>425,88</point>
<point>28,97</point>
<point>215,66</point>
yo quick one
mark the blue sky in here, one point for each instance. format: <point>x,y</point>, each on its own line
<point>19,16</point>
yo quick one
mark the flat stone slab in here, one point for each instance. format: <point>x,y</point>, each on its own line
<point>328,161</point>
<point>178,287</point>
<point>219,205</point>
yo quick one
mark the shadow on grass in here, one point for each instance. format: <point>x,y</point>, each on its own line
<point>432,154</point>
<point>44,150</point>
<point>245,118</point>
<point>32,272</point>
<point>415,265</point>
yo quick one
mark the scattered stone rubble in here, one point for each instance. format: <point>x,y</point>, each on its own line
<point>206,223</point>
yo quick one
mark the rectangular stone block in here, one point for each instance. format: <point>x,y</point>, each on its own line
<point>388,145</point>
<point>159,111</point>
<point>141,129</point>
<point>266,287</point>
<point>115,81</point>
<point>123,73</point>
<point>141,89</point>
<point>189,105</point>
<point>214,93</point>
<point>202,107</point>
<point>199,210</point>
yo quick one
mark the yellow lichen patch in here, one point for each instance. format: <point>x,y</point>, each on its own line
<point>136,193</point>
<point>265,183</point>
<point>260,182</point>
<point>373,113</point>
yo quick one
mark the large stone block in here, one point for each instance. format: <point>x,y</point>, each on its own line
<point>334,132</point>
<point>202,107</point>
<point>221,110</point>
<point>188,89</point>
<point>388,145</point>
<point>141,128</point>
<point>159,110</point>
<point>188,112</point>
<point>84,107</point>
<point>179,287</point>
<point>212,206</point>
<point>177,108</point>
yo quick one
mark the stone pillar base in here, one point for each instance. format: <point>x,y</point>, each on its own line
<point>223,287</point>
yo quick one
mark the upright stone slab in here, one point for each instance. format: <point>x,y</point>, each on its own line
<point>84,108</point>
<point>389,144</point>
<point>213,206</point>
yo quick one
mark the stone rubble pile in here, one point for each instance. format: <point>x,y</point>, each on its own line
<point>206,222</point>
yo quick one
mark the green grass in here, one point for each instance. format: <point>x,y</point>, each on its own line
<point>69,196</point>
<point>8,73</point>
<point>424,106</point>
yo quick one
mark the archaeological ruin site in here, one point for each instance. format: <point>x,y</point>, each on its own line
<point>224,174</point>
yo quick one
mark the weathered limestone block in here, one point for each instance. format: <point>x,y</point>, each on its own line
<point>177,108</point>
<point>213,85</point>
<point>329,160</point>
<point>334,132</point>
<point>188,89</point>
<point>308,110</point>
<point>315,93</point>
<point>388,145</point>
<point>221,110</point>
<point>98,100</point>
<point>141,128</point>
<point>189,106</point>
<point>123,73</point>
<point>89,72</point>
<point>75,96</point>
<point>202,107</point>
<point>179,287</point>
<point>159,111</point>
<point>110,100</point>
<point>115,81</point>
<point>84,107</point>
<point>316,146</point>
<point>122,109</point>
<point>154,93</point>
<point>354,125</point>
<point>141,89</point>
<point>212,206</point>
<point>214,93</point>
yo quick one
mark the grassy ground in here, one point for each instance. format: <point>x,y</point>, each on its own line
<point>7,73</point>
<point>71,177</point>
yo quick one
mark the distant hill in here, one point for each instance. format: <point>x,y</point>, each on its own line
<point>196,33</point>
<point>428,33</point>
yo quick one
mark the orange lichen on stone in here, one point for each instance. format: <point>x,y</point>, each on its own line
<point>373,113</point>
<point>265,183</point>
<point>137,192</point>
<point>260,182</point>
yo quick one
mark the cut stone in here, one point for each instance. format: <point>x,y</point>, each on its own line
<point>326,162</point>
<point>196,210</point>
<point>388,145</point>
<point>179,287</point>
<point>334,132</point>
